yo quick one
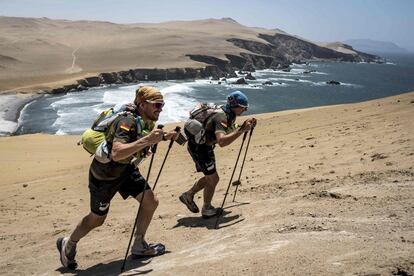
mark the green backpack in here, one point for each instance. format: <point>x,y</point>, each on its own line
<point>93,137</point>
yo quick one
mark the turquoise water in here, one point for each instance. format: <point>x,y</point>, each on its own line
<point>73,112</point>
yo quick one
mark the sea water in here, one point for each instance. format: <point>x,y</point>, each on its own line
<point>72,113</point>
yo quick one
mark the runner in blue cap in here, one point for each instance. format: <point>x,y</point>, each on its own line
<point>217,127</point>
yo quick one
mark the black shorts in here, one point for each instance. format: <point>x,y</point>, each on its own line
<point>131,184</point>
<point>203,156</point>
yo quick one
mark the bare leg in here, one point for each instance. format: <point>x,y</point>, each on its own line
<point>198,186</point>
<point>149,205</point>
<point>210,186</point>
<point>88,223</point>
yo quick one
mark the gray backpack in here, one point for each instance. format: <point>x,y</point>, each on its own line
<point>195,125</point>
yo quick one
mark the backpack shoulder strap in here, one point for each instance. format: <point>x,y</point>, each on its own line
<point>213,112</point>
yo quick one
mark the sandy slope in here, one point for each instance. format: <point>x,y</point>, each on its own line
<point>326,191</point>
<point>39,53</point>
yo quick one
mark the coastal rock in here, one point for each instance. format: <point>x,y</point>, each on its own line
<point>58,90</point>
<point>81,88</point>
<point>211,71</point>
<point>223,65</point>
<point>70,87</point>
<point>236,62</point>
<point>248,67</point>
<point>108,78</point>
<point>308,71</point>
<point>126,76</point>
<point>250,77</point>
<point>240,81</point>
<point>333,82</point>
<point>267,83</point>
<point>231,75</point>
<point>92,81</point>
<point>82,82</point>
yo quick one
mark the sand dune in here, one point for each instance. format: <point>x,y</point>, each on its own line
<point>40,53</point>
<point>325,191</point>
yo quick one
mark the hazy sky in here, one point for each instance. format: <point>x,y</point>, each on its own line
<point>317,20</point>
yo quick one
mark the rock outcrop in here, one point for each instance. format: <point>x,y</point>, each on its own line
<point>333,82</point>
<point>280,51</point>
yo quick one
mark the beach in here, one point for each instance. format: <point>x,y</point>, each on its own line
<point>325,191</point>
<point>10,107</point>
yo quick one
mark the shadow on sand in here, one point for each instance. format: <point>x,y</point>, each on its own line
<point>210,222</point>
<point>113,268</point>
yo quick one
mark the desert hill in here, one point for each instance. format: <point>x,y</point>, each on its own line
<point>39,53</point>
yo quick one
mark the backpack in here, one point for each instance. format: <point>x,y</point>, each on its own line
<point>94,139</point>
<point>196,124</point>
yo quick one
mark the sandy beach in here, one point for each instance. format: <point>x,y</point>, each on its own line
<point>325,191</point>
<point>10,107</point>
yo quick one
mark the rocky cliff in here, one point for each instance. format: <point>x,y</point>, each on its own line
<point>43,53</point>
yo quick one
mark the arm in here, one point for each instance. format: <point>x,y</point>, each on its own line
<point>123,150</point>
<point>226,139</point>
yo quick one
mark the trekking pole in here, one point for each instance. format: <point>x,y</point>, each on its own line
<point>237,182</point>
<point>231,178</point>
<point>154,149</point>
<point>177,129</point>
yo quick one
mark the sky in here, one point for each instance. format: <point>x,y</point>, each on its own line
<point>316,20</point>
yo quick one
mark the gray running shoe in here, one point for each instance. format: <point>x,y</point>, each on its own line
<point>209,212</point>
<point>145,250</point>
<point>187,199</point>
<point>67,260</point>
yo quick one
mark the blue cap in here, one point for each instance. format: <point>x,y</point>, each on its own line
<point>237,98</point>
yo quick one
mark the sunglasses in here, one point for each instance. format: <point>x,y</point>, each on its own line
<point>157,105</point>
<point>243,106</point>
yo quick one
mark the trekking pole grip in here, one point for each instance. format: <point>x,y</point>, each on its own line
<point>154,147</point>
<point>176,129</point>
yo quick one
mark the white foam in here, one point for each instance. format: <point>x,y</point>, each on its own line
<point>67,101</point>
<point>292,72</point>
<point>177,102</point>
<point>290,80</point>
<point>6,127</point>
<point>298,65</point>
<point>323,83</point>
<point>244,86</point>
<point>118,96</point>
<point>60,132</point>
<point>176,88</point>
<point>22,112</point>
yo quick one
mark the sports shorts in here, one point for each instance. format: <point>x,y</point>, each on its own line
<point>132,183</point>
<point>203,157</point>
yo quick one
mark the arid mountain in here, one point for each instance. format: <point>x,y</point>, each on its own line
<point>39,53</point>
<point>374,46</point>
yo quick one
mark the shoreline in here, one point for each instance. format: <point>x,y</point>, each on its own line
<point>20,103</point>
<point>11,106</point>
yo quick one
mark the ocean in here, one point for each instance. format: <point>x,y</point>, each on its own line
<point>72,113</point>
